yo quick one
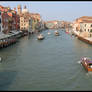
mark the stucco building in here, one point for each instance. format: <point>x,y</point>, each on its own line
<point>9,19</point>
<point>28,21</point>
<point>83,25</point>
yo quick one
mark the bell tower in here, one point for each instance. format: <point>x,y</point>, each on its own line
<point>19,9</point>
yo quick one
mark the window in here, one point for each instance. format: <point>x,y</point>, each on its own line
<point>0,20</point>
<point>88,30</point>
<point>0,28</point>
<point>91,25</point>
<point>85,25</point>
<point>85,29</point>
<point>21,24</point>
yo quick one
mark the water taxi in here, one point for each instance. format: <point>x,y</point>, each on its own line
<point>40,37</point>
<point>87,63</point>
<point>56,33</point>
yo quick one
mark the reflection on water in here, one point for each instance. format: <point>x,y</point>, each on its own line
<point>50,64</point>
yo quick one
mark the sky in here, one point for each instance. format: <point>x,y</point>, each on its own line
<point>55,10</point>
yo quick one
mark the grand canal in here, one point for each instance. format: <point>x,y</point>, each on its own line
<point>49,64</point>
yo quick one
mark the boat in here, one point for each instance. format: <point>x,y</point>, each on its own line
<point>40,37</point>
<point>87,63</point>
<point>56,33</point>
<point>0,59</point>
<point>67,32</point>
<point>49,33</point>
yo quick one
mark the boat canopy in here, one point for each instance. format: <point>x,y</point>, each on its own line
<point>90,62</point>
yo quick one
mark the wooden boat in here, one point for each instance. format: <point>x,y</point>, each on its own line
<point>40,37</point>
<point>56,33</point>
<point>87,63</point>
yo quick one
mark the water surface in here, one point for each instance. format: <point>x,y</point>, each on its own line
<point>49,64</point>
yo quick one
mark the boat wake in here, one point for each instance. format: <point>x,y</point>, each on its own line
<point>89,74</point>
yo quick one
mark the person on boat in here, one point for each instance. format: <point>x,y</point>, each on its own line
<point>85,58</point>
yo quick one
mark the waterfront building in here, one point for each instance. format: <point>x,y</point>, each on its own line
<point>0,22</point>
<point>24,22</point>
<point>28,21</point>
<point>9,19</point>
<point>24,19</point>
<point>65,24</point>
<point>51,24</point>
<point>83,26</point>
<point>35,22</point>
<point>57,24</point>
<point>86,28</point>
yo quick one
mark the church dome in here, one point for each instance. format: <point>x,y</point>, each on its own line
<point>25,10</point>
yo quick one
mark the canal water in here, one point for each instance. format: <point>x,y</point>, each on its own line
<point>50,64</point>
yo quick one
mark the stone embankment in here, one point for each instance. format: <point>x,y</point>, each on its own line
<point>85,39</point>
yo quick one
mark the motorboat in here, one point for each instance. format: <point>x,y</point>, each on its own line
<point>56,33</point>
<point>87,63</point>
<point>0,59</point>
<point>49,33</point>
<point>40,37</point>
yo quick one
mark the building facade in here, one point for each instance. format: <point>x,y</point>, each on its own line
<point>19,9</point>
<point>0,22</point>
<point>24,22</point>
<point>83,26</point>
<point>9,19</point>
<point>29,21</point>
<point>86,28</point>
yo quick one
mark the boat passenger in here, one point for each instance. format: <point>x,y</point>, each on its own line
<point>85,58</point>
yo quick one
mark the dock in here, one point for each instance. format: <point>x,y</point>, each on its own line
<point>8,39</point>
